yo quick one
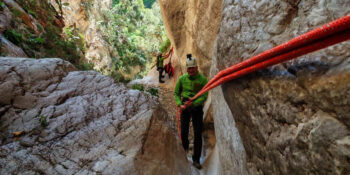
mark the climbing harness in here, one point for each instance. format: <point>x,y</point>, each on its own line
<point>329,34</point>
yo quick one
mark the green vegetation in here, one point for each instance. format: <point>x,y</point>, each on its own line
<point>43,121</point>
<point>74,35</point>
<point>136,33</point>
<point>153,91</point>
<point>134,29</point>
<point>14,36</point>
<point>137,87</point>
<point>165,45</point>
<point>87,4</point>
<point>148,3</point>
<point>16,12</point>
<point>115,2</point>
<point>33,14</point>
<point>2,5</point>
<point>48,41</point>
<point>85,66</point>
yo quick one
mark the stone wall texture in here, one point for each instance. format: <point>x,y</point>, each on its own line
<point>76,15</point>
<point>292,118</point>
<point>55,120</point>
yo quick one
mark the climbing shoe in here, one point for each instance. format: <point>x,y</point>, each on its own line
<point>197,165</point>
<point>161,81</point>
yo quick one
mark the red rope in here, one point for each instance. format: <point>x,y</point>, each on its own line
<point>321,32</point>
<point>279,59</point>
<point>169,53</point>
<point>327,35</point>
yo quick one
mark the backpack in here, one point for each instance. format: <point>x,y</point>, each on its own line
<point>169,69</point>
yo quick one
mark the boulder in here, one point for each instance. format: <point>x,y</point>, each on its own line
<point>80,122</point>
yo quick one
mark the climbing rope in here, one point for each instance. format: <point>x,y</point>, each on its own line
<point>322,37</point>
<point>169,53</point>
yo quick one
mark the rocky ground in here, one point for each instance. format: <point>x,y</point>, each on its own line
<point>55,120</point>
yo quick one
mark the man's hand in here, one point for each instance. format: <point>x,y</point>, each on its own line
<point>182,107</point>
<point>188,103</point>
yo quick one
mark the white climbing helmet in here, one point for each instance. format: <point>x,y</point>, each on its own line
<point>191,62</point>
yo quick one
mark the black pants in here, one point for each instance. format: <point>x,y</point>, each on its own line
<point>197,121</point>
<point>160,70</point>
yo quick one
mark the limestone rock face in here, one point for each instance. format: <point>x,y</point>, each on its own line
<point>85,16</point>
<point>77,122</point>
<point>11,49</point>
<point>5,19</point>
<point>192,26</point>
<point>293,117</point>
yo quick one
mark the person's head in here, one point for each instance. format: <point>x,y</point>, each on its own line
<point>191,65</point>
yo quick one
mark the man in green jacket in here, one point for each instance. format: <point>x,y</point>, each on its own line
<point>188,86</point>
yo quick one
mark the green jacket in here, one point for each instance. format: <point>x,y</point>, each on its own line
<point>188,87</point>
<point>160,62</point>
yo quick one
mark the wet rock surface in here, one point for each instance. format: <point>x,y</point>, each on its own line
<point>80,122</point>
<point>292,117</point>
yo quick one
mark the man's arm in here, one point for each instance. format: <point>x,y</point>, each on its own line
<point>177,93</point>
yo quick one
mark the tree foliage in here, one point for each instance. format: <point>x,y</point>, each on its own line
<point>48,40</point>
<point>135,31</point>
<point>148,3</point>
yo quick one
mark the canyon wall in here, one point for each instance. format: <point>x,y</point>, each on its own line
<point>85,16</point>
<point>292,117</point>
<point>192,27</point>
<point>289,118</point>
